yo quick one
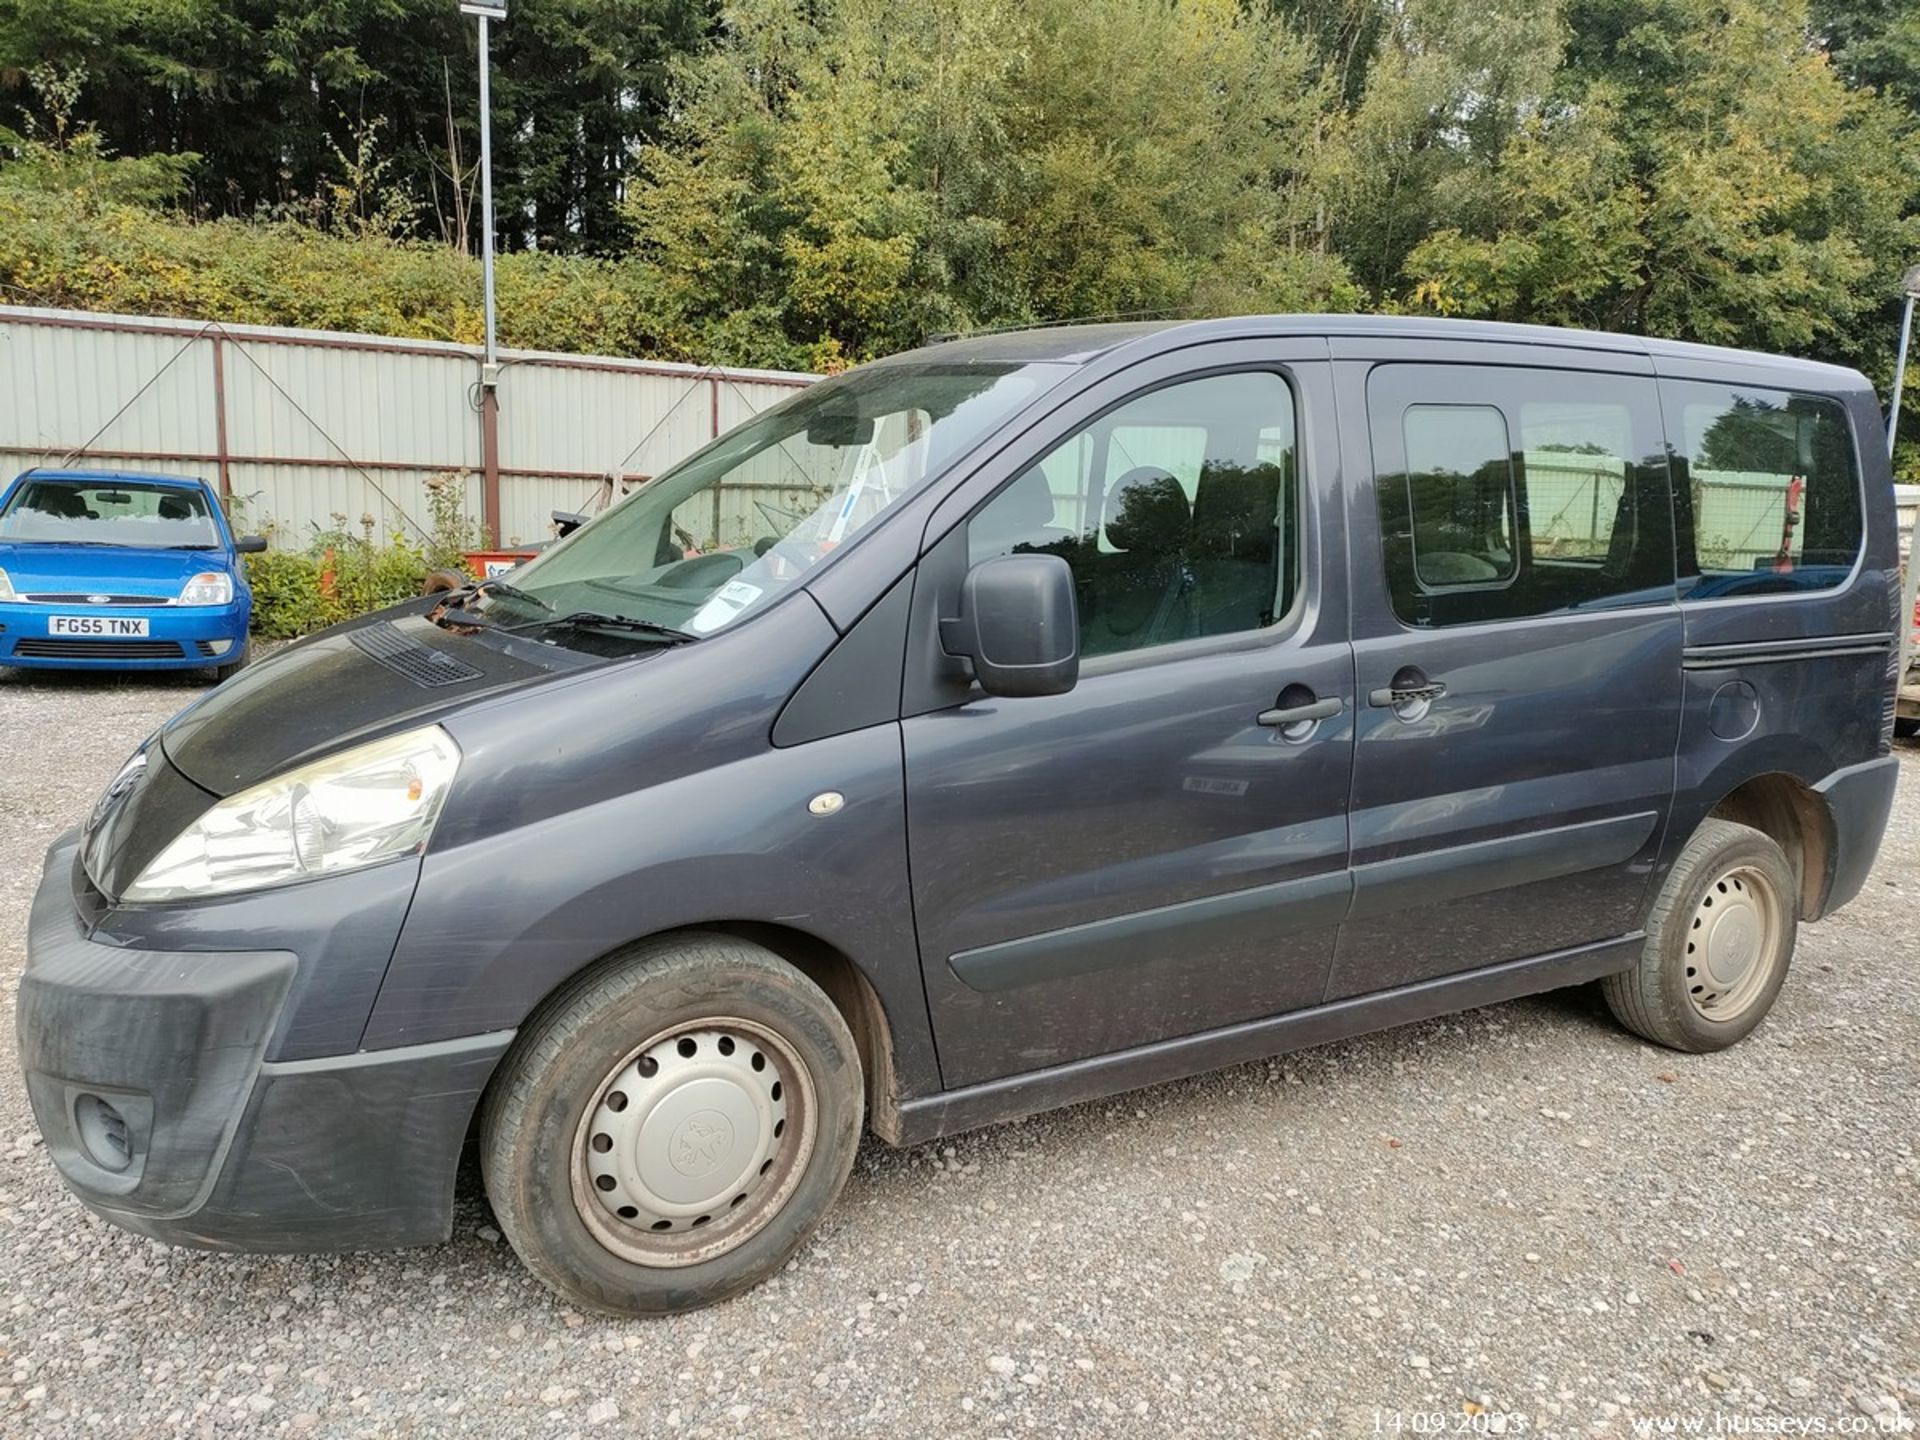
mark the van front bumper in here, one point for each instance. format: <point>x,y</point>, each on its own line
<point>146,1075</point>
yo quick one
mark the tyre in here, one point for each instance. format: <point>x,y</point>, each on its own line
<point>439,582</point>
<point>1719,940</point>
<point>224,673</point>
<point>672,1125</point>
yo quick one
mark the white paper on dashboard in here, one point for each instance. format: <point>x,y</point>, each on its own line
<point>728,601</point>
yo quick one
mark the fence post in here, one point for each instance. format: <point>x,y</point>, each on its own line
<point>220,417</point>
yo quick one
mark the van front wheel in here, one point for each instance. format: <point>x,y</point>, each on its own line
<point>672,1126</point>
<point>1719,940</point>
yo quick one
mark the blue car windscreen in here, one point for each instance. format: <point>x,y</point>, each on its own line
<point>109,512</point>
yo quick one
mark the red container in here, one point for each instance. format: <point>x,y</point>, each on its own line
<point>485,564</point>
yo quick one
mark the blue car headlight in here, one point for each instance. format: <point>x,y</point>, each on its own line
<point>6,587</point>
<point>210,587</point>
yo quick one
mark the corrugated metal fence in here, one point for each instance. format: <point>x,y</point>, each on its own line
<point>302,427</point>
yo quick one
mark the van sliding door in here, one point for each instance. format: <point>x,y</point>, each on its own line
<point>1517,648</point>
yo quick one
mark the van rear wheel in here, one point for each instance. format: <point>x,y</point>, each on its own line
<point>1719,940</point>
<point>672,1126</point>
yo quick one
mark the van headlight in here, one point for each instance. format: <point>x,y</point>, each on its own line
<point>210,587</point>
<point>362,806</point>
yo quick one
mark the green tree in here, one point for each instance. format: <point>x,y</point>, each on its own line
<point>849,176</point>
<point>1695,169</point>
<point>579,84</point>
<point>1874,43</point>
<point>812,182</point>
<point>275,95</point>
<point>52,154</point>
<point>1448,84</point>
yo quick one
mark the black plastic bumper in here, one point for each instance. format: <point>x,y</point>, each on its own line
<point>145,1072</point>
<point>1859,798</point>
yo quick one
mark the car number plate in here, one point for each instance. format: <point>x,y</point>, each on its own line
<point>113,627</point>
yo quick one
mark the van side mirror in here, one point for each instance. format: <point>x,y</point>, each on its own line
<point>1019,626</point>
<point>250,545</point>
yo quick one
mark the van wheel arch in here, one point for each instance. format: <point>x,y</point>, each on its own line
<point>852,994</point>
<point>1794,816</point>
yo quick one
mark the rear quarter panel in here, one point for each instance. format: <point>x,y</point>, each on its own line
<point>1814,715</point>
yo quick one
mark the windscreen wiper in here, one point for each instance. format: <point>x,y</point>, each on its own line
<point>498,586</point>
<point>466,620</point>
<point>597,620</point>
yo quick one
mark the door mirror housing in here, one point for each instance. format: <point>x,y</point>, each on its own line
<point>1019,626</point>
<point>250,545</point>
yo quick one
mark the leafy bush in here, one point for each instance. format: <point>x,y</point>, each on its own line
<point>340,575</point>
<point>68,250</point>
<point>287,596</point>
<point>345,571</point>
<point>451,531</point>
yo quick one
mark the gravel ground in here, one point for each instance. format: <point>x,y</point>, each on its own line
<point>1518,1221</point>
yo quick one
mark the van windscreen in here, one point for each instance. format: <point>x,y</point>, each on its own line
<point>747,518</point>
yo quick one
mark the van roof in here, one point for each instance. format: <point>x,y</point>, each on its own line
<point>1078,344</point>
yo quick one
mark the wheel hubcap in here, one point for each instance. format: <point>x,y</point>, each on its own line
<point>1732,943</point>
<point>693,1142</point>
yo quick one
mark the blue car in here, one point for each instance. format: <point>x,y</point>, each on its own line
<point>101,569</point>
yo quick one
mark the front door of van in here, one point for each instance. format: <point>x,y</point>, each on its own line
<point>1517,648</point>
<point>1162,850</point>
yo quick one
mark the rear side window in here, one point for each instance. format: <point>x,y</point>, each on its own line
<point>1506,494</point>
<point>1769,493</point>
<point>1459,495</point>
<point>1577,458</point>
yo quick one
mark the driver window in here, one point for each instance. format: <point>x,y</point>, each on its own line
<point>1178,513</point>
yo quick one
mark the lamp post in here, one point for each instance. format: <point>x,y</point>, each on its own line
<point>486,12</point>
<point>1910,283</point>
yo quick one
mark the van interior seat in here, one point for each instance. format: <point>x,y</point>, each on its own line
<point>1234,546</point>
<point>1454,567</point>
<point>1021,519</point>
<point>1141,594</point>
<point>173,507</point>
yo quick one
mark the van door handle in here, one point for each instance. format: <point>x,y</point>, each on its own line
<point>1394,697</point>
<point>1298,714</point>
<point>1409,695</point>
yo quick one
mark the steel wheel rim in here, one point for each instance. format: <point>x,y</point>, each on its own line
<point>1733,943</point>
<point>693,1142</point>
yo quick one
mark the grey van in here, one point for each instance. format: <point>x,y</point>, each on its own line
<point>995,727</point>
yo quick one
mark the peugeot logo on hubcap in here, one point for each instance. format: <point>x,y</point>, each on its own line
<point>701,1143</point>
